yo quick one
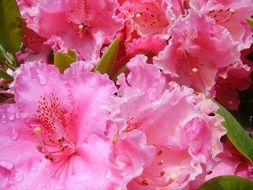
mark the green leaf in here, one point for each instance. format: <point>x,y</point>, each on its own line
<point>7,58</point>
<point>5,75</point>
<point>236,134</point>
<point>227,183</point>
<point>250,21</point>
<point>63,60</point>
<point>108,60</point>
<point>10,26</point>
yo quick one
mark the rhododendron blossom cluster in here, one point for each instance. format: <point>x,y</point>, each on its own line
<point>121,95</point>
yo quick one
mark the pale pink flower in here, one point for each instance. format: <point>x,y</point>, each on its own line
<point>83,25</point>
<point>174,121</point>
<point>197,50</point>
<point>54,136</point>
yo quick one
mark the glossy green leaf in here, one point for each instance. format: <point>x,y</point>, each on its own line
<point>64,60</point>
<point>10,26</point>
<point>7,58</point>
<point>227,183</point>
<point>250,21</point>
<point>236,134</point>
<point>5,75</point>
<point>108,60</point>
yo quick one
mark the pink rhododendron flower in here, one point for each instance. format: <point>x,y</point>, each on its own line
<point>34,48</point>
<point>83,25</point>
<point>29,11</point>
<point>197,50</point>
<point>149,45</point>
<point>236,78</point>
<point>147,17</point>
<point>174,121</point>
<point>247,57</point>
<point>230,14</point>
<point>231,163</point>
<point>53,137</point>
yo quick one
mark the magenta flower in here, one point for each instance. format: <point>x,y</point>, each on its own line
<point>175,122</point>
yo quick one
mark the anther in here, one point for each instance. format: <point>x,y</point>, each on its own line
<point>80,26</point>
<point>194,69</point>
<point>37,131</point>
<point>39,148</point>
<point>160,152</point>
<point>144,182</point>
<point>173,176</point>
<point>138,15</point>
<point>160,163</point>
<point>162,173</point>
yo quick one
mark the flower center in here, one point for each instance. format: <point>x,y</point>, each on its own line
<point>160,176</point>
<point>51,129</point>
<point>80,17</point>
<point>151,17</point>
<point>221,15</point>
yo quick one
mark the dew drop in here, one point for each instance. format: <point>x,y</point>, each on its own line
<point>11,116</point>
<point>33,169</point>
<point>108,174</point>
<point>14,134</point>
<point>42,79</point>
<point>6,165</point>
<point>18,177</point>
<point>4,120</point>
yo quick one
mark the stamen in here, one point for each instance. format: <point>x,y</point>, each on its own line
<point>37,132</point>
<point>194,69</point>
<point>162,173</point>
<point>145,182</point>
<point>138,15</point>
<point>160,152</point>
<point>80,26</point>
<point>173,176</point>
<point>115,139</point>
<point>50,117</point>
<point>161,162</point>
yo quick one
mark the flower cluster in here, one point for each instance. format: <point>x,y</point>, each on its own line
<point>150,127</point>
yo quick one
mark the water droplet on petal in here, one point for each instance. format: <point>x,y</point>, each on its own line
<point>33,169</point>
<point>14,134</point>
<point>4,120</point>
<point>108,174</point>
<point>11,117</point>
<point>6,165</point>
<point>42,79</point>
<point>17,177</point>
